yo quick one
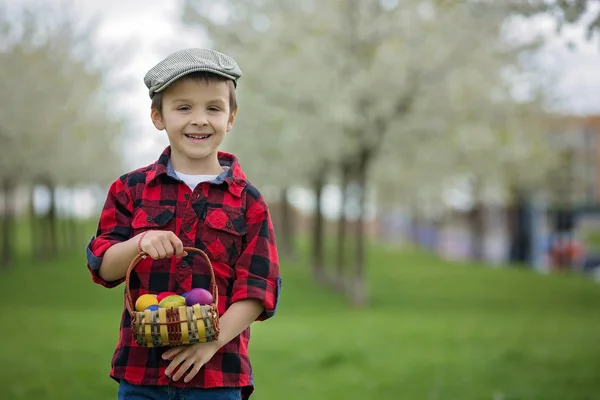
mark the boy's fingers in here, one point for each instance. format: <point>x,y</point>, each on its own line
<point>160,249</point>
<point>168,248</point>
<point>182,369</point>
<point>152,253</point>
<point>178,359</point>
<point>171,368</point>
<point>169,354</point>
<point>178,246</point>
<point>193,372</point>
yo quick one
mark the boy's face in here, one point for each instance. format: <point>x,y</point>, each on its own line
<point>196,116</point>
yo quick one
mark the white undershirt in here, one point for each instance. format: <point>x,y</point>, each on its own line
<point>193,180</point>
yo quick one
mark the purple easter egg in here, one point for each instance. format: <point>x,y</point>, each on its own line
<point>198,296</point>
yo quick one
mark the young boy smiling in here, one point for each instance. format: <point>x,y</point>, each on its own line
<point>193,196</point>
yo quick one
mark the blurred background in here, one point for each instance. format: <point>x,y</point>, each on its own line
<point>432,169</point>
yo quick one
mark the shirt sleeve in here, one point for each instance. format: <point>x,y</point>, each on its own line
<point>114,226</point>
<point>257,269</point>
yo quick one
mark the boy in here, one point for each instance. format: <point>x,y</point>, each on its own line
<point>193,196</point>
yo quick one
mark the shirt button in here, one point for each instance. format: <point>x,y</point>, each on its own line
<point>229,224</point>
<point>148,218</point>
<point>187,228</point>
<point>184,263</point>
<point>186,196</point>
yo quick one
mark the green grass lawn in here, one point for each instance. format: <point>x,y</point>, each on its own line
<point>434,330</point>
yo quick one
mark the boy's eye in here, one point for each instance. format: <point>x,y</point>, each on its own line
<point>214,108</point>
<point>184,108</point>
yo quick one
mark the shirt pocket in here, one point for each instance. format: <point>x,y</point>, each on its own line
<point>148,218</point>
<point>157,218</point>
<point>223,235</point>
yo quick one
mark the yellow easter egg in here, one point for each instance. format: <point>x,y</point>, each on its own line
<point>144,301</point>
<point>172,302</point>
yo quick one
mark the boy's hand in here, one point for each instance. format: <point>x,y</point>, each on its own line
<point>161,244</point>
<point>185,357</point>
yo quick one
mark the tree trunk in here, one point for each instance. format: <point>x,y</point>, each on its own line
<point>318,229</point>
<point>7,250</point>
<point>64,224</point>
<point>34,226</point>
<point>48,228</point>
<point>477,227</point>
<point>2,227</point>
<point>288,250</point>
<point>53,222</point>
<point>477,223</point>
<point>341,228</point>
<point>519,235</point>
<point>358,295</point>
<point>73,238</point>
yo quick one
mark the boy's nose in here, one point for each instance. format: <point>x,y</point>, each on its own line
<point>199,119</point>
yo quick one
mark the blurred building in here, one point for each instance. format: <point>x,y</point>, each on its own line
<point>578,141</point>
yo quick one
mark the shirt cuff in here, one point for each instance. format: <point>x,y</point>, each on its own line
<point>266,291</point>
<point>95,253</point>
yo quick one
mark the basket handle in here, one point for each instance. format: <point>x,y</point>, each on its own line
<point>142,255</point>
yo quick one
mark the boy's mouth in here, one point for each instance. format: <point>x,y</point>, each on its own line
<point>197,138</point>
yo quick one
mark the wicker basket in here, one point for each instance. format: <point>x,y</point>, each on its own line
<point>174,326</point>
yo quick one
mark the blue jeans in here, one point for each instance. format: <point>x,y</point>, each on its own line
<point>128,391</point>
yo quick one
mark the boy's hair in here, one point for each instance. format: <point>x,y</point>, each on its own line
<point>200,76</point>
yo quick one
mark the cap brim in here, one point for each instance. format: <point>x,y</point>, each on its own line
<point>197,69</point>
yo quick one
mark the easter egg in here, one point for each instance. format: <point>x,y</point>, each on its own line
<point>162,295</point>
<point>153,307</point>
<point>172,302</point>
<point>198,296</point>
<point>144,301</point>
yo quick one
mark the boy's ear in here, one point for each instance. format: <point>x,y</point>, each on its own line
<point>157,120</point>
<point>231,120</point>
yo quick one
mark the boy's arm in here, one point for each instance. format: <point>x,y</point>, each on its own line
<point>110,253</point>
<point>116,260</point>
<point>257,269</point>
<point>112,244</point>
<point>190,358</point>
<point>255,291</point>
<point>158,245</point>
<point>237,318</point>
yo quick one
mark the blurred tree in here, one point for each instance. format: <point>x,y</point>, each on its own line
<point>360,86</point>
<point>483,124</point>
<point>561,185</point>
<point>282,133</point>
<point>57,122</point>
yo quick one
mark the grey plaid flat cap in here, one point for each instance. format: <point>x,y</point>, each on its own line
<point>186,61</point>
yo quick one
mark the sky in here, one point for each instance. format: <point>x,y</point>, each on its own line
<point>153,30</point>
<point>578,68</point>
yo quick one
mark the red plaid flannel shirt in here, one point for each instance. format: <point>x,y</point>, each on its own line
<point>229,220</point>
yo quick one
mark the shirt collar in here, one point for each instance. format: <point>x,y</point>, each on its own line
<point>232,176</point>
